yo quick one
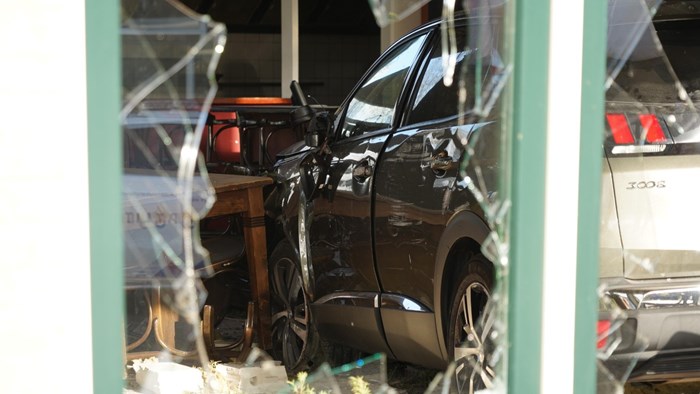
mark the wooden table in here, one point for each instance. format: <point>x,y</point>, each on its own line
<point>243,195</point>
<point>235,194</point>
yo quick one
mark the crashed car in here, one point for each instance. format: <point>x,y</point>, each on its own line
<point>381,240</point>
<point>382,230</point>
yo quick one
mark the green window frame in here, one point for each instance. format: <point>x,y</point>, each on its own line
<point>527,117</point>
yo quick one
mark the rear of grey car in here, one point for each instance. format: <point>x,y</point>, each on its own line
<point>650,243</point>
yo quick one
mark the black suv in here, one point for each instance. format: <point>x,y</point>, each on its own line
<point>382,247</point>
<point>382,213</point>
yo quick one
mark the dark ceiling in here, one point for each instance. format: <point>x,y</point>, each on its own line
<point>315,16</point>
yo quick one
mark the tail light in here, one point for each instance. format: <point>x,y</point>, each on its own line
<point>639,133</point>
<point>621,132</point>
<point>603,333</point>
<point>651,129</point>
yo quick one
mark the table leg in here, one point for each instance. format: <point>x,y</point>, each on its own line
<point>256,250</point>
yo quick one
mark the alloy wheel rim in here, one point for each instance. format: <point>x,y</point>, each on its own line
<point>472,371</point>
<point>290,324</point>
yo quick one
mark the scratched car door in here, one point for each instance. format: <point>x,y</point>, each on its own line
<point>420,188</point>
<point>341,233</point>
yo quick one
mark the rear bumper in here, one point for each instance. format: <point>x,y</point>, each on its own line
<point>660,330</point>
<point>662,366</point>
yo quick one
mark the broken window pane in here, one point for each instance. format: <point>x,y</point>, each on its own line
<point>169,55</point>
<point>648,257</point>
<point>648,261</point>
<point>361,214</point>
<point>480,359</point>
<point>391,11</point>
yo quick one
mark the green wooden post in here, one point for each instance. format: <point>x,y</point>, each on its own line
<point>592,115</point>
<point>527,174</point>
<point>528,142</point>
<point>104,160</point>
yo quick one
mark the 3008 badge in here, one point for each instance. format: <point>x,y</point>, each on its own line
<point>646,185</point>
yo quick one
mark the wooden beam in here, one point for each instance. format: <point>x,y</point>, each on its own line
<point>290,44</point>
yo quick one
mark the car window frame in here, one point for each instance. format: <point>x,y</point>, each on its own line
<point>404,122</point>
<point>427,31</point>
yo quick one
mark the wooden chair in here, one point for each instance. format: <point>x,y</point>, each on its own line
<point>227,252</point>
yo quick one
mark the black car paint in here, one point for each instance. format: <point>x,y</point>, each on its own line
<point>384,247</point>
<point>420,221</point>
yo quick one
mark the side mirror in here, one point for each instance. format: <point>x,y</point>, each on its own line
<point>318,129</point>
<point>319,122</point>
<point>312,140</point>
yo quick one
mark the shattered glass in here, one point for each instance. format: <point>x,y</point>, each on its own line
<point>169,55</point>
<point>648,263</point>
<point>648,295</point>
<point>478,64</point>
<point>649,270</point>
<point>648,260</point>
<point>390,11</point>
<point>365,375</point>
<point>462,163</point>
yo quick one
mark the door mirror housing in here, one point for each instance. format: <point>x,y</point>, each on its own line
<point>319,123</point>
<point>318,129</point>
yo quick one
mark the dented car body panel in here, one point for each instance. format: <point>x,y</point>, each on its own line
<point>401,188</point>
<point>377,223</point>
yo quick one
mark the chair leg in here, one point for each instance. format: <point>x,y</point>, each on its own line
<point>208,329</point>
<point>248,332</point>
<point>238,350</point>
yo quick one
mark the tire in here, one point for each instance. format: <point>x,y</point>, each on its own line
<point>336,354</point>
<point>294,339</point>
<point>466,335</point>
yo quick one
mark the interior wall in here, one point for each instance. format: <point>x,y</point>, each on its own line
<point>329,65</point>
<point>398,29</point>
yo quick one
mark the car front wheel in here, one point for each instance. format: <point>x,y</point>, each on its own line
<point>292,329</point>
<point>467,333</point>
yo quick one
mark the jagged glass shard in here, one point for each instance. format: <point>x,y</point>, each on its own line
<point>369,372</point>
<point>322,380</point>
<point>648,257</point>
<point>475,62</point>
<point>169,55</point>
<point>388,11</point>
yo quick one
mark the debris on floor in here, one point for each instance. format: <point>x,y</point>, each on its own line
<point>154,376</point>
<point>167,377</point>
<point>267,377</point>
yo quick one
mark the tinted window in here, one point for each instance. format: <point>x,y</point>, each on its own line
<point>373,106</point>
<point>434,100</point>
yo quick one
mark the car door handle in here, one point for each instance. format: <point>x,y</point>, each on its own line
<point>362,171</point>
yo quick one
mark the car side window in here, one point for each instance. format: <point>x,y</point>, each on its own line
<point>373,105</point>
<point>433,100</point>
